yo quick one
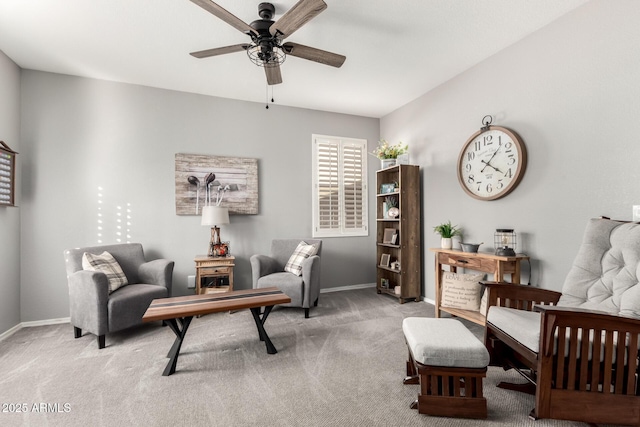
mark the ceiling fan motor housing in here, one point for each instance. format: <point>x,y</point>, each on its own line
<point>265,55</point>
<point>266,10</point>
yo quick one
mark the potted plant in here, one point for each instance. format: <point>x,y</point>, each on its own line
<point>446,232</point>
<point>388,153</point>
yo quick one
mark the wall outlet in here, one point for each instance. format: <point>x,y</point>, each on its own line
<point>191,282</point>
<point>636,213</point>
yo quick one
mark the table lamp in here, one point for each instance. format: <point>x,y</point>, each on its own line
<point>214,216</point>
<point>505,242</point>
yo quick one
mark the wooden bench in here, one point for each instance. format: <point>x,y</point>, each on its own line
<point>449,363</point>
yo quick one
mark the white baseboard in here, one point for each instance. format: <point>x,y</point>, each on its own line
<point>19,326</point>
<point>429,300</point>
<point>46,322</point>
<point>10,332</point>
<point>348,288</point>
<point>68,319</point>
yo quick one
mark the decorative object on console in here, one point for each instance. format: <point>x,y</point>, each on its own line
<point>7,175</point>
<point>446,232</point>
<point>234,178</point>
<point>216,215</point>
<point>492,162</point>
<point>470,247</point>
<point>505,241</point>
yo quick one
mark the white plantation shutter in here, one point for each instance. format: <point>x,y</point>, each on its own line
<point>339,187</point>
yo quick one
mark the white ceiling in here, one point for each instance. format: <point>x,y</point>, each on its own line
<point>396,49</point>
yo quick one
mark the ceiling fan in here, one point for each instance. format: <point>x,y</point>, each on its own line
<point>267,48</point>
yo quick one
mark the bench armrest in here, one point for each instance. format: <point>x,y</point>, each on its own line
<point>521,297</point>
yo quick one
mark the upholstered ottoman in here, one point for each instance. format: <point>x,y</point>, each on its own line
<point>448,362</point>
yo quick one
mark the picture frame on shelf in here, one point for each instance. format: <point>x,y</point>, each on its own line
<point>387,237</point>
<point>384,260</point>
<point>388,188</point>
<point>394,238</point>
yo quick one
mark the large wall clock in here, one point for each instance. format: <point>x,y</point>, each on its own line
<point>492,162</point>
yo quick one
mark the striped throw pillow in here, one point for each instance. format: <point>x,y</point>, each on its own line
<point>107,264</point>
<point>302,252</point>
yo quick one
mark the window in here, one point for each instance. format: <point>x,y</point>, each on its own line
<point>339,187</point>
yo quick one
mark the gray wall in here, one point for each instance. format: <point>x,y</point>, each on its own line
<point>10,216</point>
<point>571,91</point>
<point>80,134</point>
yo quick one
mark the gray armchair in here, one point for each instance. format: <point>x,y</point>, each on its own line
<point>99,312</point>
<point>269,271</point>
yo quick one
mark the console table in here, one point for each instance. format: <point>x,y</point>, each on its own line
<point>218,269</point>
<point>481,261</point>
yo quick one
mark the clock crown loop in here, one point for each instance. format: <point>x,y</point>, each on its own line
<point>486,121</point>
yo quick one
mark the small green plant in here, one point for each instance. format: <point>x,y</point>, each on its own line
<point>447,230</point>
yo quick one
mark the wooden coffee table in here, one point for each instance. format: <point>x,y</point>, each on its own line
<point>179,311</point>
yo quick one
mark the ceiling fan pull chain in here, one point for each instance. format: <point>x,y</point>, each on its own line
<point>267,97</point>
<point>272,94</point>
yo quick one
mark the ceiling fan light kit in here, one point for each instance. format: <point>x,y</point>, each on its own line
<point>267,49</point>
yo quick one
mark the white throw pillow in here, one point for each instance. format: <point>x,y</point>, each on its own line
<point>302,252</point>
<point>461,291</point>
<point>107,264</point>
<point>483,303</point>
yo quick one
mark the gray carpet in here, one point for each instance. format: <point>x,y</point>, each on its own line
<point>342,367</point>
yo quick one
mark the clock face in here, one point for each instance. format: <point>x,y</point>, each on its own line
<point>491,163</point>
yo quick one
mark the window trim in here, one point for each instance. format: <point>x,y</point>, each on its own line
<point>341,231</point>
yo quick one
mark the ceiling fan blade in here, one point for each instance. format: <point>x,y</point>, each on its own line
<point>274,77</point>
<point>225,15</point>
<point>313,54</point>
<point>219,50</point>
<point>301,13</point>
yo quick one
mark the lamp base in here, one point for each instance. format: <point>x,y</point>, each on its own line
<point>216,247</point>
<point>505,251</point>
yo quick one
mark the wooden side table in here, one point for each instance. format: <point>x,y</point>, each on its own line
<point>217,269</point>
<point>480,261</point>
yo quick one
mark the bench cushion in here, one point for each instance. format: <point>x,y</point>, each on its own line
<point>444,342</point>
<point>521,325</point>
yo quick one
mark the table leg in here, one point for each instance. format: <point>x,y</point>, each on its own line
<point>260,325</point>
<point>175,348</point>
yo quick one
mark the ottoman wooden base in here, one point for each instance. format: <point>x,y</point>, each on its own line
<point>448,362</point>
<point>448,391</point>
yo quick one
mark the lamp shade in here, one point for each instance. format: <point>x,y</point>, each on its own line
<point>215,215</point>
